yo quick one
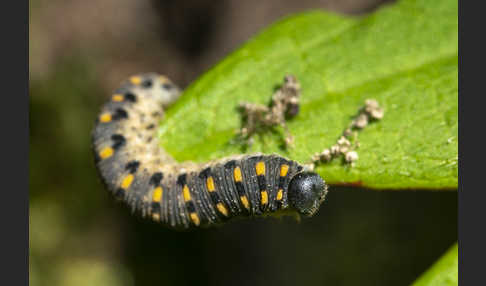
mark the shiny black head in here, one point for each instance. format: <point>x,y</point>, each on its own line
<point>306,192</point>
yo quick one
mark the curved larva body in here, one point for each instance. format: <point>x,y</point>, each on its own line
<point>138,171</point>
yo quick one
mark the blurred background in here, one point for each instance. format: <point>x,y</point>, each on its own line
<point>79,52</point>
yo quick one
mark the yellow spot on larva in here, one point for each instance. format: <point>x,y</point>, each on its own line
<point>237,174</point>
<point>186,193</point>
<point>260,168</point>
<point>117,97</point>
<point>222,209</point>
<point>245,202</point>
<point>107,152</point>
<point>210,184</point>
<point>127,181</point>
<point>264,197</point>
<point>283,170</point>
<point>163,79</point>
<point>194,218</point>
<point>157,195</point>
<point>136,80</point>
<point>156,216</point>
<point>279,195</point>
<point>105,117</point>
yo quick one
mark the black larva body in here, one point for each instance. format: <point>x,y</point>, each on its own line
<point>182,195</point>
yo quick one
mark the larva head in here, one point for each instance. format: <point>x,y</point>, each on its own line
<point>306,192</point>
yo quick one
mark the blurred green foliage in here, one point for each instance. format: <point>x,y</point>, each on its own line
<point>443,272</point>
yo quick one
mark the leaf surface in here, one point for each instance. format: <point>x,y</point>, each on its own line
<point>443,273</point>
<point>404,55</point>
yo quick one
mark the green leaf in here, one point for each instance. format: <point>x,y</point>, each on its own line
<point>443,272</point>
<point>404,55</point>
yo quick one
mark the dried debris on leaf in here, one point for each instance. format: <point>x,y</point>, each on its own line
<point>283,106</point>
<point>371,111</point>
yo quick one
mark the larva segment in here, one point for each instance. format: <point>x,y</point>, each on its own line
<point>207,214</point>
<point>280,183</point>
<point>234,182</point>
<point>181,214</point>
<point>223,191</point>
<point>210,197</point>
<point>130,184</point>
<point>241,190</point>
<point>192,199</point>
<point>261,173</point>
<point>254,172</point>
<point>220,192</point>
<point>178,216</point>
<point>155,207</point>
<point>271,165</point>
<point>156,210</point>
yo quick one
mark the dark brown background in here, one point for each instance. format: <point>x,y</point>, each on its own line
<point>79,52</point>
